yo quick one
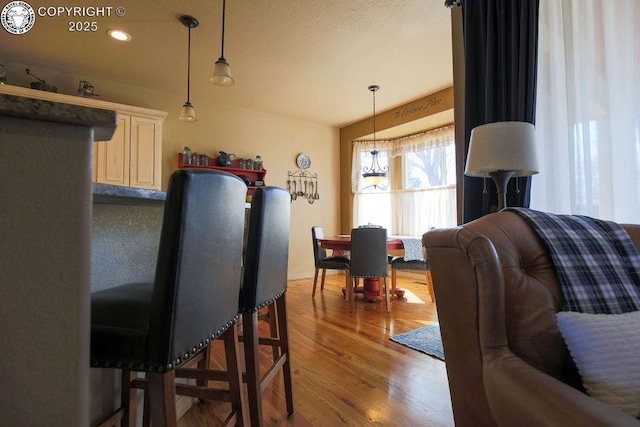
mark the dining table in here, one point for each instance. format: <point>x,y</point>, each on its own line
<point>371,285</point>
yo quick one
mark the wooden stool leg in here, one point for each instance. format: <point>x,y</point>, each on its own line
<point>273,329</point>
<point>234,370</point>
<point>204,364</point>
<point>283,333</point>
<point>251,354</point>
<point>146,411</point>
<point>129,399</point>
<point>162,398</point>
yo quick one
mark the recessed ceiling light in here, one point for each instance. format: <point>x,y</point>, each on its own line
<point>119,35</point>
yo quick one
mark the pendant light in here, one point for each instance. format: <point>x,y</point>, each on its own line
<point>188,112</point>
<point>374,175</point>
<point>221,71</point>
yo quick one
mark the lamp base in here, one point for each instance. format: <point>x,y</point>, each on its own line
<point>501,178</point>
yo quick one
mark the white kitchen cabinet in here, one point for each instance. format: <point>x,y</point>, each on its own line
<point>133,156</point>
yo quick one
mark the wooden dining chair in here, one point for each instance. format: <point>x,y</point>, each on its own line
<point>412,260</point>
<point>399,263</point>
<point>156,328</point>
<point>369,259</point>
<point>324,262</point>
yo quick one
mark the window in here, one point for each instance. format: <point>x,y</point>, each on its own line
<point>433,167</point>
<point>587,114</point>
<point>426,195</point>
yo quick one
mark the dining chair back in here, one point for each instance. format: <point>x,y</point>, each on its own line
<point>369,258</point>
<point>324,262</point>
<point>157,327</point>
<point>264,287</point>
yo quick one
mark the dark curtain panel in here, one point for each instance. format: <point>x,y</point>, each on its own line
<point>501,46</point>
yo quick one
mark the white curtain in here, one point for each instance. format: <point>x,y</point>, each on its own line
<point>588,109</point>
<point>403,211</point>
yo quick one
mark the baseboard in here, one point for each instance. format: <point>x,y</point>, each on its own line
<point>301,276</point>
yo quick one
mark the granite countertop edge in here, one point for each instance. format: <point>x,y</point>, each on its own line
<point>103,122</point>
<point>119,195</point>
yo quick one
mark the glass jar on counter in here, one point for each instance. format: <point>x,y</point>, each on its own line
<point>257,165</point>
<point>186,155</point>
<point>249,164</point>
<point>242,163</point>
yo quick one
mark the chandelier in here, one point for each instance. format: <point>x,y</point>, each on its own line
<point>375,174</point>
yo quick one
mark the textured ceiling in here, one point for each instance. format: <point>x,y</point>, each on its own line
<point>307,59</point>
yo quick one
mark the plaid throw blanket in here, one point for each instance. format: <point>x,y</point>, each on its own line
<point>596,263</point>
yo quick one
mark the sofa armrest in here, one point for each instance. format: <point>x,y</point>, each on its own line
<point>519,394</point>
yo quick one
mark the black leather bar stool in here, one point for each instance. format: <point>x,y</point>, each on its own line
<point>264,286</point>
<point>157,327</point>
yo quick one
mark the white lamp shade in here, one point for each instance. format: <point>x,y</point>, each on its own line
<point>502,146</point>
<point>188,113</point>
<point>221,73</point>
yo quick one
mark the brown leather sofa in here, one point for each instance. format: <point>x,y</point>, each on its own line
<point>497,296</point>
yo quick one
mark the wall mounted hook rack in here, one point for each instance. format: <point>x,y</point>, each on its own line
<point>304,185</point>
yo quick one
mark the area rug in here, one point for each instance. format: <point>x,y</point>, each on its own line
<point>425,339</point>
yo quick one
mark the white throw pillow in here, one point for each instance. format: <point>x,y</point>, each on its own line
<point>606,351</point>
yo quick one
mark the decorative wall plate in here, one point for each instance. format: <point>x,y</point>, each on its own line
<point>303,161</point>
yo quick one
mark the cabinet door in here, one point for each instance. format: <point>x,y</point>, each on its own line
<point>112,157</point>
<point>146,148</point>
<point>94,167</point>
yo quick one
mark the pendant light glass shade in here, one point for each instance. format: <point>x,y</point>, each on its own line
<point>222,71</point>
<point>375,174</point>
<point>188,113</point>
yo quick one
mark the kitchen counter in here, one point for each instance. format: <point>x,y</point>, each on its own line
<point>102,122</point>
<point>45,258</point>
<point>118,195</point>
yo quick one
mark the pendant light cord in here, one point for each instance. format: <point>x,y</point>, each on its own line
<point>374,89</point>
<point>189,67</point>
<point>224,7</point>
<point>374,119</point>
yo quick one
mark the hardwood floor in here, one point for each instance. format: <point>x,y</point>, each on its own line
<point>346,370</point>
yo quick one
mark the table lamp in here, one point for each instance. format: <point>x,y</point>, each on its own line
<point>502,150</point>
